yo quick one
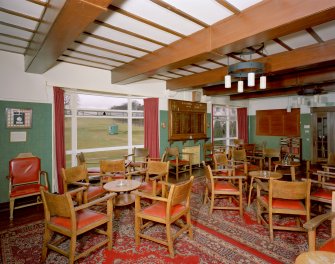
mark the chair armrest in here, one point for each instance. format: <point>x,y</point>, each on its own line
<point>158,176</point>
<point>127,156</point>
<point>81,189</point>
<point>148,196</point>
<point>94,202</point>
<point>230,177</point>
<point>83,184</point>
<point>224,169</point>
<point>313,223</point>
<point>45,176</point>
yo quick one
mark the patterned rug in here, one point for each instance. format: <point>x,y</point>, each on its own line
<point>221,238</point>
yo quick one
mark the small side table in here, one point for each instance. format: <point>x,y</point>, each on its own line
<point>123,187</point>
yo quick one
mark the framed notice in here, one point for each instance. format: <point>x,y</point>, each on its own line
<point>18,118</point>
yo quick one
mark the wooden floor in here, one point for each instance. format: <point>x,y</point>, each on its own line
<point>34,213</point>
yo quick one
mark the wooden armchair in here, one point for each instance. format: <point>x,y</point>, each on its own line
<point>113,170</point>
<point>165,211</point>
<point>208,151</point>
<point>286,198</point>
<point>138,159</point>
<point>221,161</point>
<point>315,222</point>
<point>241,163</point>
<point>91,171</point>
<point>76,177</point>
<point>178,161</point>
<point>155,173</point>
<point>63,218</point>
<point>324,253</point>
<point>322,188</point>
<point>223,187</point>
<point>25,181</point>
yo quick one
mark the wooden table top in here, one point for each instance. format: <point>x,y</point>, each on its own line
<point>264,174</point>
<point>289,164</point>
<point>122,185</point>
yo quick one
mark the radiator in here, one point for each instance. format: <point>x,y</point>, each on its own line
<point>195,150</point>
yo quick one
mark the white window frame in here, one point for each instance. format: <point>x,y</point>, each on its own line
<point>74,117</point>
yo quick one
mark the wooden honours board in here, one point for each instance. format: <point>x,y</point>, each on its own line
<point>187,120</point>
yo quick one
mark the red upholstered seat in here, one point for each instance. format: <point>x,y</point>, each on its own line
<point>328,246</point>
<point>159,209</point>
<point>284,203</point>
<point>95,191</point>
<point>322,193</point>
<point>84,218</point>
<point>28,189</point>
<point>148,187</point>
<point>225,186</point>
<point>180,162</point>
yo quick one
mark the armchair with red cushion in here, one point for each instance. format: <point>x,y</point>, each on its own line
<point>25,181</point>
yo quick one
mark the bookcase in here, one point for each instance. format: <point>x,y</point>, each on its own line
<point>291,145</point>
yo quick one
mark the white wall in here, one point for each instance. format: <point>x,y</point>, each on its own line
<point>17,85</point>
<point>284,102</point>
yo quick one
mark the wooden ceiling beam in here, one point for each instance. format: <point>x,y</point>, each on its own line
<point>259,23</point>
<point>285,61</point>
<point>299,79</point>
<point>292,91</point>
<point>62,23</point>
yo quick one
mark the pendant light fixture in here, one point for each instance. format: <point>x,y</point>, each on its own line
<point>246,69</point>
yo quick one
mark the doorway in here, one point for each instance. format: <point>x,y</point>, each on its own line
<point>323,123</point>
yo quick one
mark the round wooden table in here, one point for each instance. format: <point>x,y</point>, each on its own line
<point>292,165</point>
<point>263,175</point>
<point>123,187</point>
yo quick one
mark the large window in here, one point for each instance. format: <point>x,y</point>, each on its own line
<point>224,125</point>
<point>102,126</point>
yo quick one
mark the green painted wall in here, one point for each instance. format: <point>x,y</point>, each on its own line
<point>39,140</point>
<point>306,136</point>
<point>164,134</point>
<point>274,141</point>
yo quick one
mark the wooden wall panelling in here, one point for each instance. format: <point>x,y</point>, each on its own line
<point>278,122</point>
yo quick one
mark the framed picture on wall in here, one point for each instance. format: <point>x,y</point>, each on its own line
<point>18,118</point>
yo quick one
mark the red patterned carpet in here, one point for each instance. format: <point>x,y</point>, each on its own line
<point>221,238</point>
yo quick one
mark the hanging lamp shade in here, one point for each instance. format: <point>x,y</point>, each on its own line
<point>240,86</point>
<point>227,81</point>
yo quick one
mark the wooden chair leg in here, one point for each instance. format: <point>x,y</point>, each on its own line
<point>137,230</point>
<point>205,196</point>
<point>72,249</point>
<point>189,224</point>
<point>258,213</point>
<point>11,208</point>
<point>169,240</point>
<point>241,205</point>
<point>46,240</point>
<point>211,204</point>
<point>271,227</point>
